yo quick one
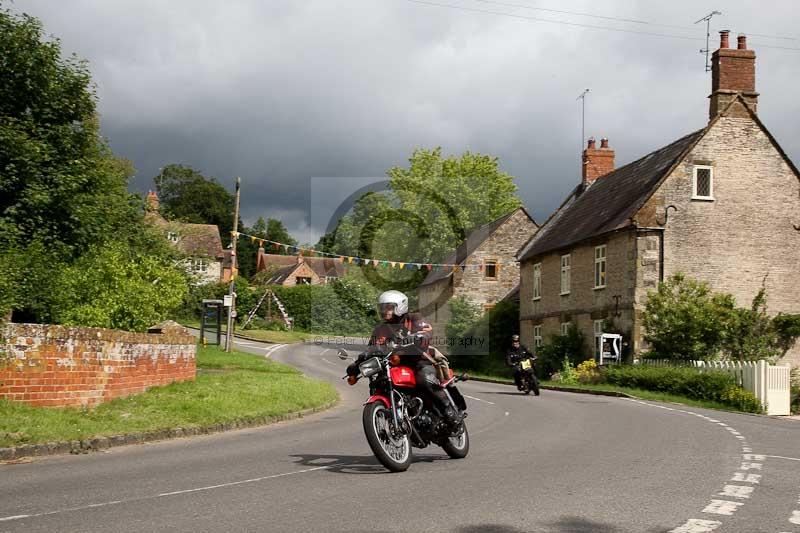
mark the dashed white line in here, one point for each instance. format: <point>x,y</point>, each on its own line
<point>695,525</point>
<point>165,494</point>
<point>478,399</point>
<point>781,457</point>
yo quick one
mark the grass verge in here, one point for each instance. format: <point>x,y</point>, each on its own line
<point>639,393</point>
<point>277,337</point>
<point>229,387</point>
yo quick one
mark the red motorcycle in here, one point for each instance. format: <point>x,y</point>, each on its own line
<point>398,416</point>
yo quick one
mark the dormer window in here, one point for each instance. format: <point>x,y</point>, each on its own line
<point>703,183</point>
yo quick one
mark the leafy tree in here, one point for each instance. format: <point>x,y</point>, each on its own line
<point>247,249</point>
<point>61,189</point>
<point>116,287</point>
<point>683,319</point>
<point>430,208</point>
<point>561,348</point>
<point>464,315</point>
<point>186,195</point>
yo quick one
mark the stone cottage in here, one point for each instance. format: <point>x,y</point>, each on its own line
<point>200,244</point>
<point>721,204</point>
<point>491,248</point>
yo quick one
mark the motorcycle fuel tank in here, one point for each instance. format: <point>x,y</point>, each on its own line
<point>403,376</point>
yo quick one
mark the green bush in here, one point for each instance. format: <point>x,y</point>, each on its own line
<point>683,381</point>
<point>479,343</point>
<point>560,347</point>
<point>115,287</point>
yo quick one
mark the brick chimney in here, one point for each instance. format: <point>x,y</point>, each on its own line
<point>152,201</point>
<point>732,72</point>
<point>597,162</point>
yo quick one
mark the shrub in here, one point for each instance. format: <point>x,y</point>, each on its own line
<point>552,354</point>
<point>568,374</point>
<point>587,372</point>
<point>482,346</point>
<point>683,381</point>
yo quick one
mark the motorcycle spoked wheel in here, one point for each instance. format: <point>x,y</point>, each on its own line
<point>393,452</point>
<point>457,447</point>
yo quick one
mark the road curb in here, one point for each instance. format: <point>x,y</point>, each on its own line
<point>561,389</point>
<point>95,444</point>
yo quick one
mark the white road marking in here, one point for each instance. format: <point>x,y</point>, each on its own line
<point>15,517</point>
<point>247,343</point>
<point>722,507</point>
<point>780,457</point>
<point>165,494</point>
<point>478,399</point>
<point>753,457</point>
<point>795,519</point>
<point>329,362</point>
<point>325,350</point>
<point>747,478</point>
<point>750,466</point>
<point>695,525</point>
<point>276,347</point>
<point>737,491</point>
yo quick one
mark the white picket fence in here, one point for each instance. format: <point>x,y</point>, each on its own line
<point>769,383</point>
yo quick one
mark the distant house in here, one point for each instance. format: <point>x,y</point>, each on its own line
<point>721,205</point>
<point>491,252</point>
<point>299,270</point>
<point>205,259</point>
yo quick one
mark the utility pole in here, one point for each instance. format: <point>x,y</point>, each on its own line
<point>231,292</point>
<point>707,49</point>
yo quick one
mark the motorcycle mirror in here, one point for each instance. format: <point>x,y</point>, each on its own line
<point>342,354</point>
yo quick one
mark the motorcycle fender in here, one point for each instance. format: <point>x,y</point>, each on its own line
<point>379,398</point>
<point>458,399</point>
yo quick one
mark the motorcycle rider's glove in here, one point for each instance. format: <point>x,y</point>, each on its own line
<point>352,380</point>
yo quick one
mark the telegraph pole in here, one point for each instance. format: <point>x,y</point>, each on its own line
<point>234,269</point>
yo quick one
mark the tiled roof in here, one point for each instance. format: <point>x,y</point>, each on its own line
<point>322,266</point>
<point>609,202</point>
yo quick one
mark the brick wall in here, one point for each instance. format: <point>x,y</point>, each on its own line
<point>48,365</point>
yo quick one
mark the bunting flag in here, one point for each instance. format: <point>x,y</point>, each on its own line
<point>366,261</point>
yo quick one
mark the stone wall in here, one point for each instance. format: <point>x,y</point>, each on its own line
<point>584,303</point>
<point>48,365</point>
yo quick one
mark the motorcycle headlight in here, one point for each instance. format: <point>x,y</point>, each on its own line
<point>370,366</point>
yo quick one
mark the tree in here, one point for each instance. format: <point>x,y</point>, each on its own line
<point>429,208</point>
<point>684,320</point>
<point>185,194</point>
<point>247,248</point>
<point>61,189</point>
<point>116,287</point>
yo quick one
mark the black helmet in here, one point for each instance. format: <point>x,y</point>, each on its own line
<point>514,338</point>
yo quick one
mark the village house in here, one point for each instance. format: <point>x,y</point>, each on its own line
<point>200,244</point>
<point>299,270</point>
<point>721,204</point>
<point>492,249</point>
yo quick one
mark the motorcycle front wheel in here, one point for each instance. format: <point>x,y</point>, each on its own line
<point>393,451</point>
<point>457,447</point>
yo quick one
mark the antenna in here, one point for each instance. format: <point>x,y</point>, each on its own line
<point>707,49</point>
<point>582,98</point>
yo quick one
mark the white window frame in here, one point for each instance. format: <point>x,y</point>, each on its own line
<point>537,281</point>
<point>696,196</point>
<point>600,266</point>
<point>597,326</point>
<point>566,261</point>
<point>172,236</point>
<point>199,265</point>
<point>537,336</point>
<point>565,327</point>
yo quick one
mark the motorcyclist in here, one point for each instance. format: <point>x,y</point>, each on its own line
<point>396,323</point>
<point>515,354</point>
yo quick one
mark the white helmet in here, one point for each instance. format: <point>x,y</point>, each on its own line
<point>396,299</point>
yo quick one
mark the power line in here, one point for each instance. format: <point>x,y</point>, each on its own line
<point>577,24</point>
<point>619,19</point>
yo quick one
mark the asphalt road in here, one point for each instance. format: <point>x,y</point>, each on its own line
<point>560,462</point>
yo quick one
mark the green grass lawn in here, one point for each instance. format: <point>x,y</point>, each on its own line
<point>278,337</point>
<point>229,387</point>
<point>638,393</point>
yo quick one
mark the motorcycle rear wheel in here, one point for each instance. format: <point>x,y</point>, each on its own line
<point>393,452</point>
<point>457,447</point>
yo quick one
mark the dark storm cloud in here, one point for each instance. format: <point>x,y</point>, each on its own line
<point>279,92</point>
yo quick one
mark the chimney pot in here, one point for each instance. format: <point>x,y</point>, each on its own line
<point>723,39</point>
<point>742,42</point>
<point>591,143</point>
<point>603,143</point>
<point>597,163</point>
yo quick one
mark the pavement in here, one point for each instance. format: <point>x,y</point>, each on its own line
<point>559,462</point>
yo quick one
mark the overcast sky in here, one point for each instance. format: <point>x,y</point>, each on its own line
<point>279,92</point>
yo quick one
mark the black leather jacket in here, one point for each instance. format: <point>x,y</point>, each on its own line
<point>515,355</point>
